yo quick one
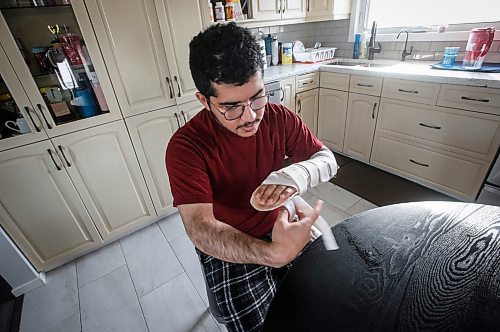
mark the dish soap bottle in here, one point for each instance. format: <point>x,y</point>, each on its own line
<point>357,42</point>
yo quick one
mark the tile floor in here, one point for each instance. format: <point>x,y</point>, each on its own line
<point>148,281</point>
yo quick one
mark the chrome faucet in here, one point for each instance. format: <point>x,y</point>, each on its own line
<point>371,45</point>
<point>405,53</point>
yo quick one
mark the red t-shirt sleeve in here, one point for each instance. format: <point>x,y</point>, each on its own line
<point>301,143</point>
<point>187,173</point>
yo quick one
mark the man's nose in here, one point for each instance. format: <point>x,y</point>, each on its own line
<point>248,114</point>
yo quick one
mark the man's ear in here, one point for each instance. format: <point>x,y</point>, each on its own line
<point>202,99</point>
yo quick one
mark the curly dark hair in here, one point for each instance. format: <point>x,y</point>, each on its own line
<point>223,53</point>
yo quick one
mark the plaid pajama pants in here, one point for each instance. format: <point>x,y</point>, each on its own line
<point>243,292</point>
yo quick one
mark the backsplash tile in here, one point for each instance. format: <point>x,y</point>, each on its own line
<point>336,33</point>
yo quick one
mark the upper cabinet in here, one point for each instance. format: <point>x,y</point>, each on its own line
<point>278,9</point>
<point>146,48</point>
<point>54,53</point>
<point>315,8</point>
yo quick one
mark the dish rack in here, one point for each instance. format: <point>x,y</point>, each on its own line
<point>313,55</point>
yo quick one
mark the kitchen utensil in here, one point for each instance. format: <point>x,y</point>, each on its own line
<point>20,126</point>
<point>479,43</point>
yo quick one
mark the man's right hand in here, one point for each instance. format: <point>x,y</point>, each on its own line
<point>289,238</point>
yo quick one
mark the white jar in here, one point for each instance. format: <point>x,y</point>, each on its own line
<point>274,51</point>
<point>219,12</point>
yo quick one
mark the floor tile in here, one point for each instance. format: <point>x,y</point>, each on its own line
<point>172,226</point>
<point>176,306</point>
<point>110,304</point>
<point>150,259</point>
<point>361,206</point>
<point>335,195</point>
<point>184,250</point>
<point>330,213</point>
<point>99,263</point>
<point>54,306</point>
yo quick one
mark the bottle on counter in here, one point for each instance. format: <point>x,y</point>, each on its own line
<point>286,56</point>
<point>275,51</point>
<point>230,15</point>
<point>219,12</point>
<point>363,49</point>
<point>357,42</point>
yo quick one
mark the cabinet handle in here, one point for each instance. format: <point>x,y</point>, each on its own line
<point>408,91</point>
<point>365,85</point>
<point>170,87</point>
<point>178,122</point>
<point>476,99</point>
<point>184,117</point>
<point>43,115</point>
<point>284,7</point>
<point>373,110</point>
<point>64,156</point>
<point>26,108</point>
<point>281,7</point>
<point>308,82</point>
<point>428,126</point>
<point>53,160</point>
<point>282,94</point>
<point>178,86</point>
<point>417,163</point>
<point>300,105</point>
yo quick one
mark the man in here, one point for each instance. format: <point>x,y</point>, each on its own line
<point>218,159</point>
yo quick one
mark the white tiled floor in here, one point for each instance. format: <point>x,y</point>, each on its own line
<point>148,281</point>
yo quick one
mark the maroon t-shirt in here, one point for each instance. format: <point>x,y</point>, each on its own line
<point>207,163</point>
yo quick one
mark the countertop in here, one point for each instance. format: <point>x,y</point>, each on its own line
<point>416,71</point>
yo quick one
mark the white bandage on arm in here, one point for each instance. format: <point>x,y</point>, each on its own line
<point>321,167</point>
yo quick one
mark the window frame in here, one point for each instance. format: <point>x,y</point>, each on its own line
<point>454,32</point>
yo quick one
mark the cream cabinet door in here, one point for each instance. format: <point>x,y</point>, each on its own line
<point>188,110</point>
<point>293,9</point>
<point>341,9</point>
<point>267,9</point>
<point>307,108</point>
<point>103,166</point>
<point>316,8</point>
<point>20,109</point>
<point>331,117</point>
<point>287,86</point>
<point>130,39</point>
<point>150,133</point>
<point>360,125</point>
<point>180,21</point>
<point>40,208</point>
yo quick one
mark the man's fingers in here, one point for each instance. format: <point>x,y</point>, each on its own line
<point>311,216</point>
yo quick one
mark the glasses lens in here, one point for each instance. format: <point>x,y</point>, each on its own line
<point>259,103</point>
<point>233,113</point>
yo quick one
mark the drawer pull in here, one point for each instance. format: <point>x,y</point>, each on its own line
<point>365,85</point>
<point>417,163</point>
<point>476,99</point>
<point>308,82</point>
<point>373,110</point>
<point>427,126</point>
<point>408,91</point>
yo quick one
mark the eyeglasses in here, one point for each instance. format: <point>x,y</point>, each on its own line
<point>233,112</point>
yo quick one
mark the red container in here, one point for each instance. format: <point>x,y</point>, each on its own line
<point>479,43</point>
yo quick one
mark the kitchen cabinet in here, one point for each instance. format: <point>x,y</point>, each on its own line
<point>306,106</point>
<point>287,87</point>
<point>361,118</point>
<point>306,82</point>
<point>315,8</point>
<point>188,110</point>
<point>19,124</point>
<point>332,118</point>
<point>41,209</point>
<point>277,9</point>
<point>102,164</point>
<point>72,91</point>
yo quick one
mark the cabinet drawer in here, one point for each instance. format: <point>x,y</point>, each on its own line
<point>468,133</point>
<point>307,82</point>
<point>477,99</point>
<point>368,85</point>
<point>459,177</point>
<point>335,81</point>
<point>425,93</point>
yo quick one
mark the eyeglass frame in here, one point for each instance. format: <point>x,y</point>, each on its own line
<point>243,108</point>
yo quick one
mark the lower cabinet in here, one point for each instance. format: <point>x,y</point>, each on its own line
<point>188,110</point>
<point>360,125</point>
<point>287,86</point>
<point>102,164</point>
<point>306,106</point>
<point>40,207</point>
<point>331,118</point>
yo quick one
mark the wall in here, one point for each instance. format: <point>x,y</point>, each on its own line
<point>335,34</point>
